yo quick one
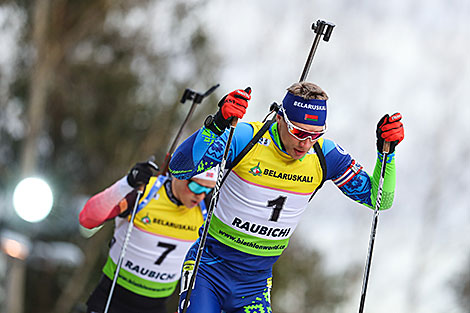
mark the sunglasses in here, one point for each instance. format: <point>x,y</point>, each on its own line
<point>198,189</point>
<point>299,133</point>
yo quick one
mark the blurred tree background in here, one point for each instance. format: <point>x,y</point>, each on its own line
<point>94,89</point>
<point>300,270</point>
<point>461,284</point>
<point>91,94</point>
<point>91,88</point>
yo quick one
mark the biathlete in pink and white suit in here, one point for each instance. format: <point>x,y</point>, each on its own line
<point>263,197</point>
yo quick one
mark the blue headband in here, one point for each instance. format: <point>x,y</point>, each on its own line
<point>298,109</point>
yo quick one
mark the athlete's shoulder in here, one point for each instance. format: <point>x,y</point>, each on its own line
<point>255,125</point>
<point>152,180</point>
<point>244,132</point>
<point>249,127</point>
<point>157,180</point>
<point>337,159</point>
<point>329,146</point>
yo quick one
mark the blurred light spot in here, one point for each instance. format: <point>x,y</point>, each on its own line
<point>45,146</point>
<point>56,253</point>
<point>83,51</point>
<point>104,55</point>
<point>69,128</point>
<point>32,199</point>
<point>14,248</point>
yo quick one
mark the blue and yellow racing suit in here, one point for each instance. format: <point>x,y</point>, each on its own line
<point>260,205</point>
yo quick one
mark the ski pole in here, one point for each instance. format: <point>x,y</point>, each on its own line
<point>215,197</point>
<point>365,279</point>
<point>140,191</point>
<point>197,98</point>
<point>320,28</point>
<point>124,247</point>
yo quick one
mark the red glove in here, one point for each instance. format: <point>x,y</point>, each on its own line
<point>390,128</point>
<point>235,103</point>
<point>232,105</point>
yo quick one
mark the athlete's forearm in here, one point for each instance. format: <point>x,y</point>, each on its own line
<point>103,205</point>
<point>358,185</point>
<point>388,189</point>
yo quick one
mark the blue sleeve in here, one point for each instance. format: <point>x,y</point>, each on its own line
<point>348,175</point>
<point>337,160</point>
<point>204,150</point>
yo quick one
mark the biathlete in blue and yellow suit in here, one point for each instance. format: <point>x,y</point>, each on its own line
<point>166,224</point>
<point>263,197</point>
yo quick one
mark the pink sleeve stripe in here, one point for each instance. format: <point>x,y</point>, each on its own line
<point>103,205</point>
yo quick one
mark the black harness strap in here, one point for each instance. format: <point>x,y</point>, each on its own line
<point>260,134</point>
<point>249,146</point>
<point>322,160</point>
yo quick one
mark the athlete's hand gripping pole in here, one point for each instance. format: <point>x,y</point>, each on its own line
<point>197,98</point>
<point>138,175</point>
<point>389,133</point>
<point>233,108</point>
<point>365,279</point>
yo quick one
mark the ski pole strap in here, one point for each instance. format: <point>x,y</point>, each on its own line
<point>249,146</point>
<point>153,191</point>
<point>322,160</point>
<point>202,206</point>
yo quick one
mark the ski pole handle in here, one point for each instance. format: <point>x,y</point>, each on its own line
<point>197,98</point>
<point>321,28</point>
<point>234,122</point>
<point>386,148</point>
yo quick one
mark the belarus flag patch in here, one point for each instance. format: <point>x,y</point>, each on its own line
<point>311,117</point>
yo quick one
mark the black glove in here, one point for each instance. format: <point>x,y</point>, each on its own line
<point>389,128</point>
<point>140,174</point>
<point>232,105</point>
